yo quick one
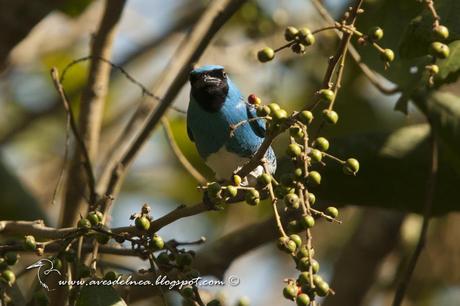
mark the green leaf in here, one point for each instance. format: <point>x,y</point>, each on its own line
<point>74,8</point>
<point>99,296</point>
<point>449,68</point>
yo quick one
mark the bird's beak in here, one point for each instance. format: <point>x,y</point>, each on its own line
<point>206,81</point>
<point>35,265</point>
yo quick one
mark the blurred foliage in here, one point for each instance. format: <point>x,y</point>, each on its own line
<point>99,296</point>
<point>74,8</point>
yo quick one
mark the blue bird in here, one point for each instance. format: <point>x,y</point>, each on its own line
<point>216,105</point>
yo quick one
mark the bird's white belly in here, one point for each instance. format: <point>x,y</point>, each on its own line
<point>225,163</point>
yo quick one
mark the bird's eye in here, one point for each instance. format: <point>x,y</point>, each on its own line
<point>224,74</point>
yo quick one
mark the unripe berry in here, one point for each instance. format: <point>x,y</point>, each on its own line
<point>327,95</point>
<point>163,258</point>
<point>351,166</point>
<point>11,258</point>
<point>290,292</point>
<point>375,34</point>
<point>264,179</point>
<point>322,144</point>
<point>332,211</point>
<point>303,252</point>
<point>293,227</point>
<point>294,150</point>
<point>236,180</point>
<point>307,222</point>
<point>9,276</point>
<point>254,100</point>
<point>102,238</point>
<point>432,69</point>
<point>263,110</point>
<point>265,55</point>
<point>302,300</point>
<point>387,55</point>
<point>296,132</point>
<point>214,302</point>
<point>110,276</point>
<point>316,155</point>
<point>441,32</point>
<point>296,238</point>
<point>439,50</point>
<point>244,301</point>
<point>157,242</point>
<point>57,263</point>
<point>290,33</point>
<point>306,117</point>
<point>232,191</point>
<point>314,178</point>
<point>291,200</point>
<point>279,115</point>
<point>330,116</point>
<point>322,288</point>
<point>29,243</point>
<point>142,223</point>
<point>84,223</point>
<point>274,107</point>
<point>311,198</point>
<point>93,218</point>
<point>184,259</point>
<point>305,37</point>
<point>252,197</point>
<point>298,48</point>
<point>187,292</point>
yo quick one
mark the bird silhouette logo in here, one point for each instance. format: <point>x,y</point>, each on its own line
<point>41,265</point>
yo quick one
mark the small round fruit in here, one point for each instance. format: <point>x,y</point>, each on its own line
<point>187,292</point>
<point>184,259</point>
<point>322,288</point>
<point>214,302</point>
<point>84,223</point>
<point>243,301</point>
<point>322,144</point>
<point>252,197</point>
<point>311,198</point>
<point>265,55</point>
<point>298,48</point>
<point>290,33</point>
<point>351,166</point>
<point>232,191</point>
<point>432,69</point>
<point>263,110</point>
<point>387,55</point>
<point>303,264</point>
<point>375,34</point>
<point>290,292</point>
<point>303,252</point>
<point>9,276</point>
<point>291,200</point>
<point>317,279</point>
<point>296,132</point>
<point>110,276</point>
<point>327,95</point>
<point>316,155</point>
<point>306,117</point>
<point>296,238</point>
<point>93,218</point>
<point>330,116</point>
<point>142,223</point>
<point>279,115</point>
<point>264,179</point>
<point>163,258</point>
<point>304,278</point>
<point>254,100</point>
<point>294,150</point>
<point>293,227</point>
<point>315,266</point>
<point>305,37</point>
<point>274,107</point>
<point>281,191</point>
<point>11,258</point>
<point>57,263</point>
<point>29,243</point>
<point>314,178</point>
<point>236,180</point>
<point>307,222</point>
<point>332,211</point>
<point>302,300</point>
<point>439,50</point>
<point>441,32</point>
<point>157,242</point>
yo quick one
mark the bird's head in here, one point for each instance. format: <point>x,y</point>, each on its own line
<point>209,86</point>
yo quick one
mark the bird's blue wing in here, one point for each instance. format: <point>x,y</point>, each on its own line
<point>257,125</point>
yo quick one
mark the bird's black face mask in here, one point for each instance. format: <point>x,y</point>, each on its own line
<point>209,89</point>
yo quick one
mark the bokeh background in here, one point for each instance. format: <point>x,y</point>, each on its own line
<point>32,142</point>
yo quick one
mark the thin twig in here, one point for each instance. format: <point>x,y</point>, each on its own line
<point>429,197</point>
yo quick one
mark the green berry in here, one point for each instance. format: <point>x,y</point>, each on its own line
<point>314,178</point>
<point>187,292</point>
<point>306,117</point>
<point>281,191</point>
<point>322,144</point>
<point>387,55</point>
<point>84,223</point>
<point>294,150</point>
<point>163,258</point>
<point>303,252</point>
<point>29,243</point>
<point>302,300</point>
<point>307,222</point>
<point>264,179</point>
<point>252,197</point>
<point>57,263</point>
<point>214,302</point>
<point>316,155</point>
<point>375,34</point>
<point>296,132</point>
<point>263,110</point>
<point>9,276</point>
<point>157,242</point>
<point>351,166</point>
<point>432,69</point>
<point>441,32</point>
<point>244,301</point>
<point>332,211</point>
<point>305,37</point>
<point>93,218</point>
<point>296,238</point>
<point>232,191</point>
<point>290,33</point>
<point>102,238</point>
<point>315,266</point>
<point>11,258</point>
<point>327,95</point>
<point>330,116</point>
<point>439,50</point>
<point>110,276</point>
<point>298,48</point>
<point>290,292</point>
<point>279,115</point>
<point>265,55</point>
<point>317,279</point>
<point>298,173</point>
<point>184,259</point>
<point>274,107</point>
<point>142,223</point>
<point>311,198</point>
<point>304,278</point>
<point>322,288</point>
<point>236,180</point>
<point>293,226</point>
<point>291,200</point>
